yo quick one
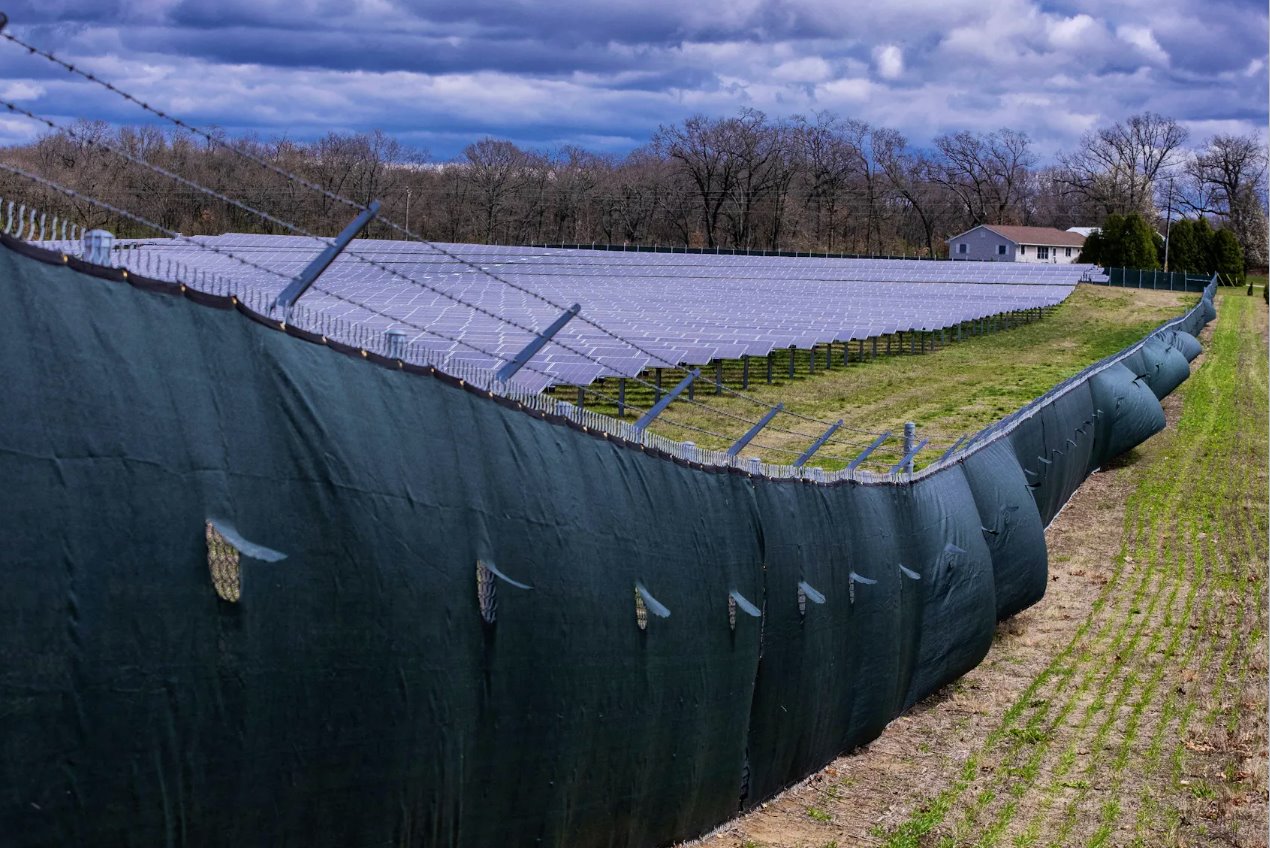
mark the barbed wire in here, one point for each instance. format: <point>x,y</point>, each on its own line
<point>590,390</point>
<point>654,357</point>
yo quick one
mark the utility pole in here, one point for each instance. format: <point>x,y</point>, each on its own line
<point>1168,227</point>
<point>408,210</point>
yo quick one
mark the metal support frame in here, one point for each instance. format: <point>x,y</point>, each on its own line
<point>718,376</point>
<point>309,275</point>
<point>740,443</point>
<point>527,353</point>
<point>745,371</point>
<point>660,407</point>
<point>864,454</point>
<point>816,445</point>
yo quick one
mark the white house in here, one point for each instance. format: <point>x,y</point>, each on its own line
<point>1000,243</point>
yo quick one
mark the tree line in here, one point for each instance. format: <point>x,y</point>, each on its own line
<point>1188,245</point>
<point>808,183</point>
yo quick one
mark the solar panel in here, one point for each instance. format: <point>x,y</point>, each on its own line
<point>667,308</point>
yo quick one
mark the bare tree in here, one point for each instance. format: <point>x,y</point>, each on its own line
<point>909,175</point>
<point>986,173</point>
<point>1227,179</point>
<point>756,150</point>
<point>493,167</point>
<point>701,148</point>
<point>1118,167</point>
<point>824,160</point>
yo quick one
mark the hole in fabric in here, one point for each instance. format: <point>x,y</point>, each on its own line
<point>222,562</point>
<point>486,592</point>
<point>641,612</point>
<point>731,612</point>
<point>802,600</point>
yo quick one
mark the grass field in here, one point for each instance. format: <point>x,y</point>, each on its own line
<point>951,392</point>
<point>1128,707</point>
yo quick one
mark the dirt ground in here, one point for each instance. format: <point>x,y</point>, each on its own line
<point>1126,708</point>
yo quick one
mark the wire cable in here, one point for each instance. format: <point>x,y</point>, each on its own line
<point>353,204</point>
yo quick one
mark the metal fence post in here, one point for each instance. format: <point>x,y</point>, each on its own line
<point>910,439</point>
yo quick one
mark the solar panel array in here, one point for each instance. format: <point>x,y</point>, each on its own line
<point>680,309</point>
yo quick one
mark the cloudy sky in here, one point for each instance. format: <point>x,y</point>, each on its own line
<point>604,74</point>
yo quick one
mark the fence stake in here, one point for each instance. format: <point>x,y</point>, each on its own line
<point>907,462</point>
<point>740,443</point>
<point>954,447</point>
<point>309,275</point>
<point>864,454</point>
<point>521,359</point>
<point>815,446</point>
<point>661,405</point>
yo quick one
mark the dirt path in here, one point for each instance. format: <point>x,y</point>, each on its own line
<point>1128,707</point>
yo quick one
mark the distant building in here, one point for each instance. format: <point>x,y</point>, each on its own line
<point>1000,243</point>
<point>1084,231</point>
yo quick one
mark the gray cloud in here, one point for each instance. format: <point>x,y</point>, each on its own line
<point>605,75</point>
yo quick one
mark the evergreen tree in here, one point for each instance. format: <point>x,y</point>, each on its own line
<point>1228,257</point>
<point>1138,240</point>
<point>1111,249</point>
<point>1128,242</point>
<point>1204,260</point>
<point>1092,250</point>
<point>1183,255</point>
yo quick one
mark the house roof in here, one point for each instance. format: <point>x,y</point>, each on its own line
<point>1047,236</point>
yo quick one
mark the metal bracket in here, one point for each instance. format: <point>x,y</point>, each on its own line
<point>740,443</point>
<point>816,445</point>
<point>877,443</point>
<point>660,407</point>
<point>527,353</point>
<point>309,275</point>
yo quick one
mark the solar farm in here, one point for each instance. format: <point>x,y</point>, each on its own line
<point>474,303</point>
<point>362,541</point>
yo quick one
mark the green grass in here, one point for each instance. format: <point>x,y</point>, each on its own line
<point>1100,735</point>
<point>956,390</point>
